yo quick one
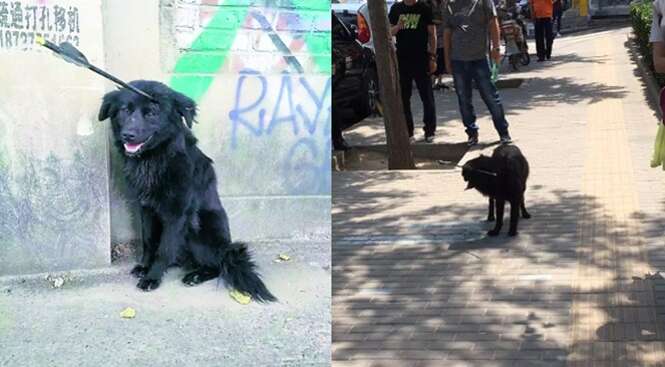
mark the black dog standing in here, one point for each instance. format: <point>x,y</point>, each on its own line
<point>502,177</point>
<point>184,222</point>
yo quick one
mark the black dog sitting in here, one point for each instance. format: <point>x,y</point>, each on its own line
<point>502,177</point>
<point>184,222</point>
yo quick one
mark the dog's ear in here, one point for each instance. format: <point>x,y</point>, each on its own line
<point>186,107</point>
<point>109,106</point>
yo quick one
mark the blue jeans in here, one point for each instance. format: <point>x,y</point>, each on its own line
<point>464,72</point>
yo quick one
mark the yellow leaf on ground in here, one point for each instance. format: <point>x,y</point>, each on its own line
<point>128,313</point>
<point>284,257</point>
<point>240,297</point>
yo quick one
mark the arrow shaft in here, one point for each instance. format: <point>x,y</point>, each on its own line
<point>118,81</point>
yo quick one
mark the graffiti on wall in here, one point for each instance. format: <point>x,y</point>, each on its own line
<point>278,56</point>
<point>300,110</point>
<point>292,36</point>
<point>21,23</point>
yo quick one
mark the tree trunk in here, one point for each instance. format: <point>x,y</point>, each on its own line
<point>399,148</point>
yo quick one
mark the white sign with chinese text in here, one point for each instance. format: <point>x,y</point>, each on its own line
<point>21,22</point>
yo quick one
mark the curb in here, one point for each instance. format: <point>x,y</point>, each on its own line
<point>653,90</point>
<point>78,274</point>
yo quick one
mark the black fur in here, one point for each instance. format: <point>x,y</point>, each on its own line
<point>184,222</point>
<point>503,178</point>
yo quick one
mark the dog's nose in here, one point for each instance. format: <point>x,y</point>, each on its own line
<point>128,136</point>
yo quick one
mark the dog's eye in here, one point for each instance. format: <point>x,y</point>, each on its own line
<point>151,113</point>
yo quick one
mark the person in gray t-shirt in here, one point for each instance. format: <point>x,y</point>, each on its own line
<point>657,37</point>
<point>467,26</point>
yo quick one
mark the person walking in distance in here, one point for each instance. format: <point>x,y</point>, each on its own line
<point>467,26</point>
<point>541,14</point>
<point>411,24</point>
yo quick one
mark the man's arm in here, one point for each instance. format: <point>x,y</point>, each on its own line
<point>396,22</point>
<point>431,47</point>
<point>531,12</point>
<point>447,42</point>
<point>394,29</point>
<point>431,36</point>
<point>495,34</point>
<point>659,57</point>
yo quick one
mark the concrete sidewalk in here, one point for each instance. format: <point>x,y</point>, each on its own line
<point>79,324</point>
<point>417,283</point>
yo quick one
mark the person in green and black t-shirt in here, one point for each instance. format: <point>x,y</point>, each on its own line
<point>416,55</point>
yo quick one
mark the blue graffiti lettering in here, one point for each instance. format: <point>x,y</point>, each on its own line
<point>291,117</point>
<point>236,114</point>
<point>318,101</point>
<point>304,109</point>
<point>283,109</point>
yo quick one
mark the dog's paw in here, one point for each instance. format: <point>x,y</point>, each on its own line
<point>526,215</point>
<point>148,284</point>
<point>491,219</point>
<point>139,271</point>
<point>193,279</point>
<point>493,233</point>
<point>512,233</point>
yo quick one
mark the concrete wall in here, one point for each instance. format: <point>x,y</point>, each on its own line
<point>260,73</point>
<point>54,200</point>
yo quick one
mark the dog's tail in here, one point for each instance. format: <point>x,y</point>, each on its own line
<point>239,272</point>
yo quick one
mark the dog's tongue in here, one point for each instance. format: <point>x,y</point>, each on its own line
<point>133,148</point>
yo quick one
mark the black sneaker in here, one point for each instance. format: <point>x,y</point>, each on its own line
<point>505,139</point>
<point>473,140</point>
<point>429,138</point>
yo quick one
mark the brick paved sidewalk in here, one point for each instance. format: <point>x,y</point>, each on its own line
<point>416,282</point>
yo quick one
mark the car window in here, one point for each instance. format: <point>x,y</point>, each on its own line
<point>339,30</point>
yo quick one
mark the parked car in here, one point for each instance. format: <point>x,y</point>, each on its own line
<point>346,12</point>
<point>355,15</point>
<point>354,81</point>
<point>363,22</point>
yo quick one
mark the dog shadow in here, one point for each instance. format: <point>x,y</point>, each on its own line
<point>482,241</point>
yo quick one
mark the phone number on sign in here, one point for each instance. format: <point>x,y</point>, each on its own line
<point>24,40</point>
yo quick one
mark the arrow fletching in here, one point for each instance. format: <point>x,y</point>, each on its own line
<point>71,54</point>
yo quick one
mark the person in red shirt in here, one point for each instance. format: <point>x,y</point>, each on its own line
<point>541,14</point>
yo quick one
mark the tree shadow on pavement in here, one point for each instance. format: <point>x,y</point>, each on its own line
<point>570,58</point>
<point>651,100</point>
<point>456,295</point>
